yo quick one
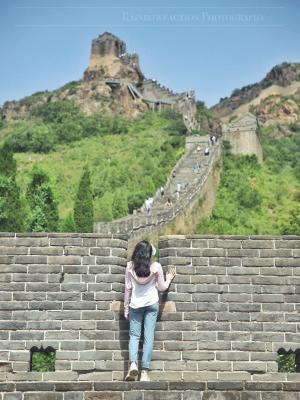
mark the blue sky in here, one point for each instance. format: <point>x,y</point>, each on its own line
<point>210,46</point>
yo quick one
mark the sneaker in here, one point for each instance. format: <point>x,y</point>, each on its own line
<point>145,376</point>
<point>132,372</point>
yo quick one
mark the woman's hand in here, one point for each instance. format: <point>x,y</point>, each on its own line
<point>126,316</point>
<point>171,273</point>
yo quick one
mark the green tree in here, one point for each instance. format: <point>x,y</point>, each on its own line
<point>120,204</point>
<point>293,225</point>
<point>7,161</point>
<point>135,200</point>
<point>11,211</point>
<point>83,208</point>
<point>44,209</point>
<point>68,224</point>
<point>104,207</point>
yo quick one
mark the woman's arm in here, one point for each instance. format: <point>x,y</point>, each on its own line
<point>161,283</point>
<point>127,294</point>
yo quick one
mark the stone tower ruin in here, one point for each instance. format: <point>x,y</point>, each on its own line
<point>110,61</point>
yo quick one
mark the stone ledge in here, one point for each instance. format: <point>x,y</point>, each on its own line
<point>236,237</point>
<point>65,234</point>
<point>108,386</point>
<point>202,377</point>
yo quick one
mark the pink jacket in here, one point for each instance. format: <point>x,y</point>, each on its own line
<point>140,291</point>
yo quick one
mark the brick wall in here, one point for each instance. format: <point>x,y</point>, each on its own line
<point>210,390</point>
<point>237,302</point>
<point>60,290</point>
<point>233,304</point>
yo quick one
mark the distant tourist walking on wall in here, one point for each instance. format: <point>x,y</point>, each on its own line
<point>206,151</point>
<point>178,188</point>
<point>148,204</point>
<point>143,279</point>
<point>162,190</point>
<point>168,202</point>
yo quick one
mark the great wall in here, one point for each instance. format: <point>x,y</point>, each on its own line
<point>243,137</point>
<point>108,56</point>
<point>231,310</point>
<point>111,61</point>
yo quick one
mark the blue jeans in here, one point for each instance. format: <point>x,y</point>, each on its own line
<point>136,316</point>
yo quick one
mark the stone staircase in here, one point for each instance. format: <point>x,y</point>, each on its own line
<point>191,182</point>
<point>186,176</point>
<point>157,96</point>
<point>153,89</point>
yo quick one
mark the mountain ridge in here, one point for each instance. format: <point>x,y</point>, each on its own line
<point>281,75</point>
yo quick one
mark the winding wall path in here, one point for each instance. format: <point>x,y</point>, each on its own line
<point>191,182</point>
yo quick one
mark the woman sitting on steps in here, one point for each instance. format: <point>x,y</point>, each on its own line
<point>143,279</point>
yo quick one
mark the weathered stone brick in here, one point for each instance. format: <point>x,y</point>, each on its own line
<point>275,253</point>
<point>12,396</point>
<point>212,307</point>
<point>243,270</point>
<point>287,262</point>
<point>235,297</point>
<point>77,345</point>
<point>258,244</point>
<point>225,261</point>
<point>149,395</point>
<point>225,244</point>
<point>214,252</point>
<point>100,260</point>
<point>198,355</point>
<point>133,395</point>
<point>243,253</point>
<point>43,395</point>
<point>32,241</point>
<point>200,316</point>
<point>73,395</point>
<point>179,346</point>
<point>103,396</point>
<point>187,252</point>
<point>225,385</point>
<point>34,386</point>
<point>65,241</point>
<point>199,261</point>
<point>199,243</point>
<point>258,262</point>
<point>236,336</point>
<point>267,337</point>
<point>214,366</point>
<point>287,244</point>
<point>7,387</point>
<point>209,297</point>
<point>240,307</point>
<point>100,251</point>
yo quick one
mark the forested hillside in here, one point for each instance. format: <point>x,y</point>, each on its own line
<point>127,160</point>
<point>262,199</point>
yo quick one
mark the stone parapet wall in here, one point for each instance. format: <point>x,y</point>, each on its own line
<point>238,298</point>
<point>206,390</point>
<point>233,304</point>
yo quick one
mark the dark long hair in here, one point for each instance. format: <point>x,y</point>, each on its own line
<point>141,257</point>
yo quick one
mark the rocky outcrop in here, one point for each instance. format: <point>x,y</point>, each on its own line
<point>112,83</point>
<point>281,75</point>
<point>278,110</point>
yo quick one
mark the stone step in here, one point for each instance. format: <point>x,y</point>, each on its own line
<point>204,388</point>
